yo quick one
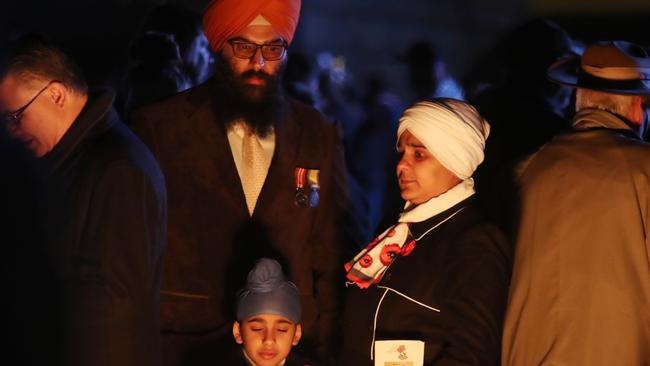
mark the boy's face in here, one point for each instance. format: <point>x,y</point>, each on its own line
<point>267,338</point>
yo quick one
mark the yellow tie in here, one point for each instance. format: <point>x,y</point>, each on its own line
<point>254,169</point>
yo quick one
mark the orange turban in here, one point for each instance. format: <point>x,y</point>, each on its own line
<point>224,19</point>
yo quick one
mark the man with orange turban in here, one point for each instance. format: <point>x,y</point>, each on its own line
<point>282,15</point>
<point>250,174</point>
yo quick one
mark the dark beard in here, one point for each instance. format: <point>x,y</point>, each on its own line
<point>260,107</point>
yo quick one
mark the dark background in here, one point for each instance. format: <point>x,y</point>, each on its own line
<point>369,34</point>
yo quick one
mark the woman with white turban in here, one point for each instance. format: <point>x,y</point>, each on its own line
<point>440,275</point>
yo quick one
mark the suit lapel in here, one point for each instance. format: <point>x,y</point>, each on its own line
<point>232,193</point>
<point>280,175</point>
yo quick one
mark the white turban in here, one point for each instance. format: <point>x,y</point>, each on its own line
<point>452,130</point>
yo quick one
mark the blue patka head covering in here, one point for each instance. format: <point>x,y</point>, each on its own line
<point>268,292</point>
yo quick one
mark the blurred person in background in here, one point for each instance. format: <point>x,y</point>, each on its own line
<point>300,79</point>
<point>525,109</point>
<point>155,72</point>
<point>427,74</point>
<point>186,28</point>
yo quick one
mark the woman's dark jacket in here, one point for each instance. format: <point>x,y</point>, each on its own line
<point>461,269</point>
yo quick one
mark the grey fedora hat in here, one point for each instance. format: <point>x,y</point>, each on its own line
<point>616,67</point>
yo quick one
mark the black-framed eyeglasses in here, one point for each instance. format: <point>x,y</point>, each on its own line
<point>246,50</point>
<point>14,117</point>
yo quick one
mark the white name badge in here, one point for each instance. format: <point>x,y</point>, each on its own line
<point>399,352</point>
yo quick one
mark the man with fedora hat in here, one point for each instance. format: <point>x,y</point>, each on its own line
<point>580,289</point>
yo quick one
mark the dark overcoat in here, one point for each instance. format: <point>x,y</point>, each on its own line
<point>580,289</point>
<point>104,220</point>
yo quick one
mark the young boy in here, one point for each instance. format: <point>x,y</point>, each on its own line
<point>268,318</point>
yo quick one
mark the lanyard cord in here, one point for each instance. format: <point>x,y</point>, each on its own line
<point>438,224</point>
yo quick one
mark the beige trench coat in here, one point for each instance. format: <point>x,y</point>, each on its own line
<point>580,291</point>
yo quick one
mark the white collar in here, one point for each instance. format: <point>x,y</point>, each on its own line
<point>436,205</point>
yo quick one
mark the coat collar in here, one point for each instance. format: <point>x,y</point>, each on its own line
<point>591,118</point>
<point>418,229</point>
<point>202,117</point>
<point>96,117</point>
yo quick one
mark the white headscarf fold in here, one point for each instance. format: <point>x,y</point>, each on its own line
<point>452,130</point>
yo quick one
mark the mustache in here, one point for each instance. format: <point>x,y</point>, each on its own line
<point>252,73</point>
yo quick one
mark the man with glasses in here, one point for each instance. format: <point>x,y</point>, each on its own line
<point>251,174</point>
<point>101,216</point>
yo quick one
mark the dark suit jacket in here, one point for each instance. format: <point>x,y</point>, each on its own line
<point>212,241</point>
<point>104,220</point>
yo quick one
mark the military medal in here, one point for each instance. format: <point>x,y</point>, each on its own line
<point>302,199</point>
<point>314,188</point>
<point>307,187</point>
